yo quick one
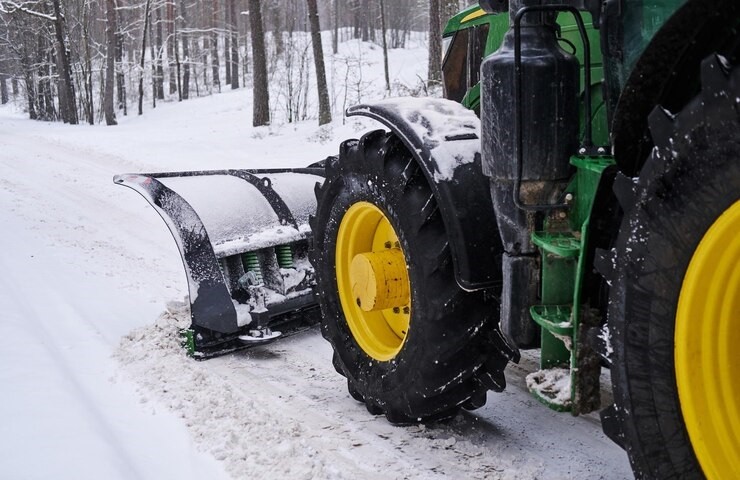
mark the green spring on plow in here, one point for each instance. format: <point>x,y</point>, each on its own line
<point>284,256</point>
<point>252,264</point>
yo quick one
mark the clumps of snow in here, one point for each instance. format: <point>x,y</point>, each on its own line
<point>566,339</point>
<point>242,313</point>
<point>292,278</point>
<point>243,434</point>
<point>606,336</point>
<point>552,383</point>
<point>177,314</point>
<point>268,237</point>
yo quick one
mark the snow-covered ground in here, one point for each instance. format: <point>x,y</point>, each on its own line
<point>94,385</point>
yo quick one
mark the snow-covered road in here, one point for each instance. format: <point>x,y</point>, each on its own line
<point>85,264</point>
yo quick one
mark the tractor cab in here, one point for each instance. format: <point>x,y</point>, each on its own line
<point>468,37</point>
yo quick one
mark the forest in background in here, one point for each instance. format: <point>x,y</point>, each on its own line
<point>88,61</point>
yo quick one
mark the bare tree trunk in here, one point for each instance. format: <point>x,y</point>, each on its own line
<point>385,46</point>
<point>89,107</point>
<point>357,29</point>
<point>172,48</point>
<point>185,39</point>
<point>160,69</point>
<point>261,111</point>
<point>435,44</point>
<point>234,27</point>
<point>120,80</point>
<point>44,97</point>
<point>318,56</point>
<point>31,94</point>
<point>227,41</point>
<point>3,89</point>
<point>143,54</point>
<point>177,66</point>
<point>153,56</point>
<point>214,47</point>
<point>277,32</point>
<point>335,37</point>
<point>67,101</point>
<point>110,61</point>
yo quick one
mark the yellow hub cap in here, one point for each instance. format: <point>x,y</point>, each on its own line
<point>373,281</point>
<point>707,353</point>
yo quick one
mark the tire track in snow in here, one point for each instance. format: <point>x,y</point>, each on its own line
<point>285,397</point>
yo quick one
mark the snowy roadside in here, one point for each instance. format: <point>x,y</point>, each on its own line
<point>281,411</point>
<point>87,267</point>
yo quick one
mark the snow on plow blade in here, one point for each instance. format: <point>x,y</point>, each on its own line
<point>243,238</point>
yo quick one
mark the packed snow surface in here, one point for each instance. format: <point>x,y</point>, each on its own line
<point>94,385</point>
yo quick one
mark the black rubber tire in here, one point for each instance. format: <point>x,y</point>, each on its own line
<point>689,180</point>
<point>453,352</point>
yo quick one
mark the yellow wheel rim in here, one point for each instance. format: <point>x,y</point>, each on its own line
<point>372,281</point>
<point>707,353</point>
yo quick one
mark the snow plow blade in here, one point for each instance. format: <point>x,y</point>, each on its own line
<point>243,237</point>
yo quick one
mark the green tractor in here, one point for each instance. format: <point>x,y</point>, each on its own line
<point>578,192</point>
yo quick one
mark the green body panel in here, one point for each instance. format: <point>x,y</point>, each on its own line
<point>456,23</point>
<point>563,243</point>
<point>640,21</point>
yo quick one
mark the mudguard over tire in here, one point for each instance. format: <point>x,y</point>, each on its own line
<point>448,351</point>
<point>675,357</point>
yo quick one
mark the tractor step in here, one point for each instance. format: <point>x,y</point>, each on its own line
<point>570,365</point>
<point>554,318</point>
<point>552,387</point>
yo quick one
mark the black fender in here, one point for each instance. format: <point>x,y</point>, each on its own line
<point>667,73</point>
<point>444,138</point>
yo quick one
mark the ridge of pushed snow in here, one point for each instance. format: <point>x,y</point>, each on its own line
<point>274,427</point>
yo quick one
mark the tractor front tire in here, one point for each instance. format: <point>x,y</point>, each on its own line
<point>437,348</point>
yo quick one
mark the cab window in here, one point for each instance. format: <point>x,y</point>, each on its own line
<point>455,67</point>
<point>461,65</point>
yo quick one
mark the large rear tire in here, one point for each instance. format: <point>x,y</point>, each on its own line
<point>675,305</point>
<point>430,347</point>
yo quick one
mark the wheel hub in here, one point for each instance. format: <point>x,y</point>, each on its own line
<point>380,280</point>
<point>373,281</point>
